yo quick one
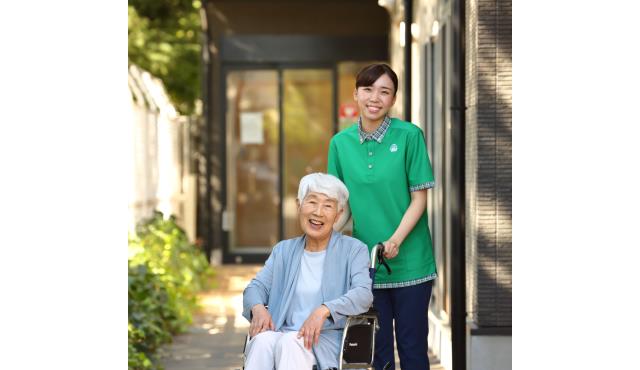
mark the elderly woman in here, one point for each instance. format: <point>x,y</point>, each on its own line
<point>310,284</point>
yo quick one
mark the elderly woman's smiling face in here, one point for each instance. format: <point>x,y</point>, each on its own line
<point>317,214</point>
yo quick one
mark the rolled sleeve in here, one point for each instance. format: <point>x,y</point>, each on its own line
<point>426,185</point>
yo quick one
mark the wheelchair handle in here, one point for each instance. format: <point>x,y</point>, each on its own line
<point>377,253</point>
<point>374,253</point>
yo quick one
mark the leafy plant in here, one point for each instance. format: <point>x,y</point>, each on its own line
<point>165,273</point>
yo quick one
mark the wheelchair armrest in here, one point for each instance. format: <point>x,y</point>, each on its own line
<point>370,314</point>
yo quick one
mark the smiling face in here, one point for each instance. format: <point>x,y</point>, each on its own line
<point>375,101</point>
<point>317,214</point>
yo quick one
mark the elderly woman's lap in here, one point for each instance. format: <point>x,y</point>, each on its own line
<point>273,349</point>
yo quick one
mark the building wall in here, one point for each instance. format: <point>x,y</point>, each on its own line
<point>161,175</point>
<point>488,162</point>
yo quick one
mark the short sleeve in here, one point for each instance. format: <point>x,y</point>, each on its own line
<point>333,162</point>
<point>418,165</point>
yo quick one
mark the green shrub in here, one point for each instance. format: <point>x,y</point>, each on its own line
<point>137,360</point>
<point>165,273</point>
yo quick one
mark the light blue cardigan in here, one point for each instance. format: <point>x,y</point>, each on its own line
<point>346,285</point>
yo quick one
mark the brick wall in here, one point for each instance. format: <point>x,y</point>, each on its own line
<point>488,161</point>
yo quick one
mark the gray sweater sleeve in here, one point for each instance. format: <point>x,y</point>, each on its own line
<point>359,297</point>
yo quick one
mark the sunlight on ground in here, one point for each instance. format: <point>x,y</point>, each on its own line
<point>237,283</point>
<point>240,321</point>
<point>220,321</point>
<point>225,303</point>
<point>215,339</point>
<point>224,307</point>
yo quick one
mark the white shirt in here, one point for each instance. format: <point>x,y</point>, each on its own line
<point>308,295</point>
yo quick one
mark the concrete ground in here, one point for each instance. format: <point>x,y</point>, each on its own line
<point>214,341</point>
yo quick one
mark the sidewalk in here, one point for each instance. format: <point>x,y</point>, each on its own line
<point>214,340</point>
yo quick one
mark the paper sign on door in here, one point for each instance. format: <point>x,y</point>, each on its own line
<point>251,128</point>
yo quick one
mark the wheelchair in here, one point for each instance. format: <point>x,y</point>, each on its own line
<point>358,338</point>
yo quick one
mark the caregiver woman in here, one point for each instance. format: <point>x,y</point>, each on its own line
<point>383,162</point>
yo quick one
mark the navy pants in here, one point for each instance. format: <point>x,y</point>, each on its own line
<point>408,307</point>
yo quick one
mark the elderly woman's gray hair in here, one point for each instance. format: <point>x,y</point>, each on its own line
<point>332,187</point>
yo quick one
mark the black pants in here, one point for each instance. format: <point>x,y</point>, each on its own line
<point>408,307</point>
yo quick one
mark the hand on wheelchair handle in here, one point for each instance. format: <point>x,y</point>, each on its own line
<point>391,249</point>
<point>261,320</point>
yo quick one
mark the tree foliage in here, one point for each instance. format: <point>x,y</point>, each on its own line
<point>164,39</point>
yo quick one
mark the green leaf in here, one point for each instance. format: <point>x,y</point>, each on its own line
<point>164,40</point>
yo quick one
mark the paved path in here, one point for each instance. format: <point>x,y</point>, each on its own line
<point>214,340</point>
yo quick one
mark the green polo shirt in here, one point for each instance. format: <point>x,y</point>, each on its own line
<point>380,174</point>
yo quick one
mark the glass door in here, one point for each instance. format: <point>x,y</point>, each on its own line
<point>252,212</point>
<point>278,125</point>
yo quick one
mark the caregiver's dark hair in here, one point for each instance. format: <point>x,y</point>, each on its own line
<point>369,74</point>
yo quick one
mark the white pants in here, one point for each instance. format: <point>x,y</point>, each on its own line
<point>282,351</point>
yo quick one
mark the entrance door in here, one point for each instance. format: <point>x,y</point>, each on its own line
<point>278,125</point>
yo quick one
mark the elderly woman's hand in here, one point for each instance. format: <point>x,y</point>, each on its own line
<point>260,320</point>
<point>312,326</point>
